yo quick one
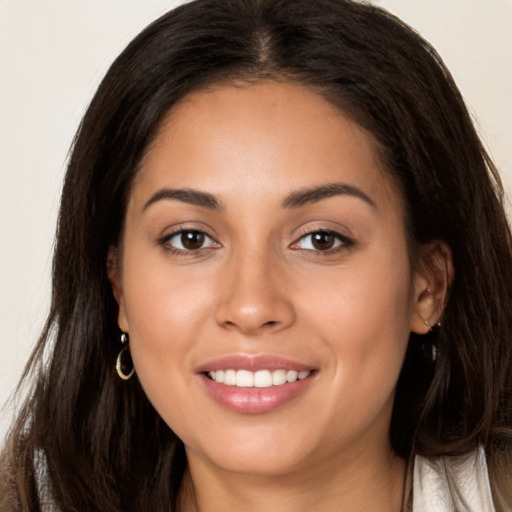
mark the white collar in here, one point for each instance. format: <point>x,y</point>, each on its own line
<point>448,484</point>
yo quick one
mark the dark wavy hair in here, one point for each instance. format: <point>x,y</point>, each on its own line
<point>89,441</point>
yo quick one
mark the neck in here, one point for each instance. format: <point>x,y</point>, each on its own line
<point>353,483</point>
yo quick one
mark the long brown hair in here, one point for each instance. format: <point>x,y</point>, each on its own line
<point>84,439</point>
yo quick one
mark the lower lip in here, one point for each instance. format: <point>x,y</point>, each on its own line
<point>255,400</point>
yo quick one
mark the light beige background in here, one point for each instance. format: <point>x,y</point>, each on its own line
<point>53,53</point>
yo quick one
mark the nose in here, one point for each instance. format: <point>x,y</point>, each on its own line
<point>254,296</point>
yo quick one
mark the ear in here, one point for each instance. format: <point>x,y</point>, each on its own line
<point>115,278</point>
<point>432,281</point>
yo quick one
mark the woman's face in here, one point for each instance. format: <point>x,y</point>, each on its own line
<point>265,243</point>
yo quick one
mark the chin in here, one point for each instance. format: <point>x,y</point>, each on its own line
<point>257,451</point>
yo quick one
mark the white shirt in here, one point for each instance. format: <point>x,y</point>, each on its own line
<point>449,484</point>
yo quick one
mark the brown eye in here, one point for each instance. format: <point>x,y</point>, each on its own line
<point>323,240</point>
<point>188,240</point>
<point>192,240</point>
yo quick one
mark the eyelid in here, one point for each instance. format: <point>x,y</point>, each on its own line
<point>342,242</point>
<point>345,242</point>
<point>164,241</point>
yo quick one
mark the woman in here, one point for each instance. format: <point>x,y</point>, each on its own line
<point>281,213</point>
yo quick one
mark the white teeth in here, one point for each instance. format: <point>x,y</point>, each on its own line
<point>262,379</point>
<point>291,376</point>
<point>244,379</point>
<point>278,377</point>
<point>229,377</point>
<point>259,379</point>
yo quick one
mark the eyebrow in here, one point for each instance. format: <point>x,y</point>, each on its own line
<point>294,200</point>
<point>315,194</point>
<point>186,195</point>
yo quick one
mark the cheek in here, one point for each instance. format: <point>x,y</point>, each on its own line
<point>363,316</point>
<point>166,310</point>
<point>373,294</point>
<point>163,299</point>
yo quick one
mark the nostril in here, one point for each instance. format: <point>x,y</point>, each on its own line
<point>251,314</point>
<point>250,327</point>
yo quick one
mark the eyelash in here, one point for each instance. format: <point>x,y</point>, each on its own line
<point>165,242</point>
<point>342,242</point>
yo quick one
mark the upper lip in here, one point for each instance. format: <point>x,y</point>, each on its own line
<point>253,363</point>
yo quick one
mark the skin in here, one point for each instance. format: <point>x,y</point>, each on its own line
<point>259,286</point>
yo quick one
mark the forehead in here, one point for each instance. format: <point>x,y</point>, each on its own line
<point>240,136</point>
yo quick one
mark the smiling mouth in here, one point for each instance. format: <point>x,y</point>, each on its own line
<point>256,385</point>
<point>258,379</point>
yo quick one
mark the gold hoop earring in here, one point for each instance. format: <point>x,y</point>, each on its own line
<point>124,363</point>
